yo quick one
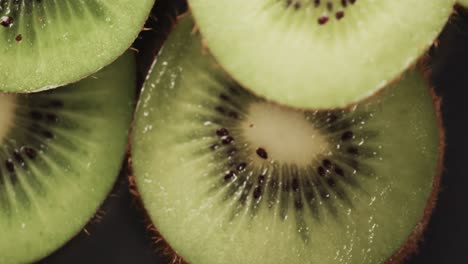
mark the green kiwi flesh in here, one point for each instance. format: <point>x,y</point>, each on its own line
<point>47,44</point>
<point>318,54</point>
<point>227,177</point>
<point>60,153</point>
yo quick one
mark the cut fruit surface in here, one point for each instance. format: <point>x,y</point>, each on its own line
<point>59,157</point>
<point>227,177</point>
<point>46,44</point>
<point>318,54</point>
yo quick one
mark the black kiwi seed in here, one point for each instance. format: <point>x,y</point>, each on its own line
<point>30,152</point>
<point>287,186</point>
<point>322,20</point>
<point>331,182</point>
<point>6,21</point>
<point>339,15</point>
<point>228,176</point>
<point>10,166</point>
<point>295,185</point>
<point>261,179</point>
<point>321,171</point>
<point>339,171</point>
<point>18,157</point>
<point>347,136</point>
<point>327,164</point>
<point>257,193</point>
<point>241,166</point>
<point>261,152</point>
<point>329,9</point>
<point>227,140</point>
<point>222,132</point>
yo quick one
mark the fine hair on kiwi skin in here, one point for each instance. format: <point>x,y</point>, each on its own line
<point>159,244</point>
<point>157,27</point>
<point>88,35</point>
<point>162,19</point>
<point>284,62</point>
<point>60,155</point>
<point>147,128</point>
<point>411,247</point>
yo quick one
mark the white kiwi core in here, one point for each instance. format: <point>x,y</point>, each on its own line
<point>7,111</point>
<point>285,134</point>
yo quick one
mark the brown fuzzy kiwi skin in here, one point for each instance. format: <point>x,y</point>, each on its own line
<point>161,245</point>
<point>400,256</point>
<point>161,21</point>
<point>160,25</point>
<point>115,192</point>
<point>407,250</point>
<point>105,208</point>
<point>411,246</point>
<point>459,10</point>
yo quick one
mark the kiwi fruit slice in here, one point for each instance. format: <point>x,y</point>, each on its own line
<point>228,177</point>
<point>318,54</point>
<point>60,153</point>
<point>47,44</point>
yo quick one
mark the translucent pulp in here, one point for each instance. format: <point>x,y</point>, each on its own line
<point>285,134</point>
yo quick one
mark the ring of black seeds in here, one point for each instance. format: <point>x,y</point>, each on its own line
<point>283,186</point>
<point>330,9</point>
<point>36,120</point>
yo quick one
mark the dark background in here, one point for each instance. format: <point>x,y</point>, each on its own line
<point>121,236</point>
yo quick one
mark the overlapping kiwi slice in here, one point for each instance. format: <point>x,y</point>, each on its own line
<point>318,53</point>
<point>60,153</point>
<point>228,177</point>
<point>49,43</point>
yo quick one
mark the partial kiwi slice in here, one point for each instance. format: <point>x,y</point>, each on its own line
<point>318,54</point>
<point>60,153</point>
<point>46,44</point>
<point>228,177</point>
